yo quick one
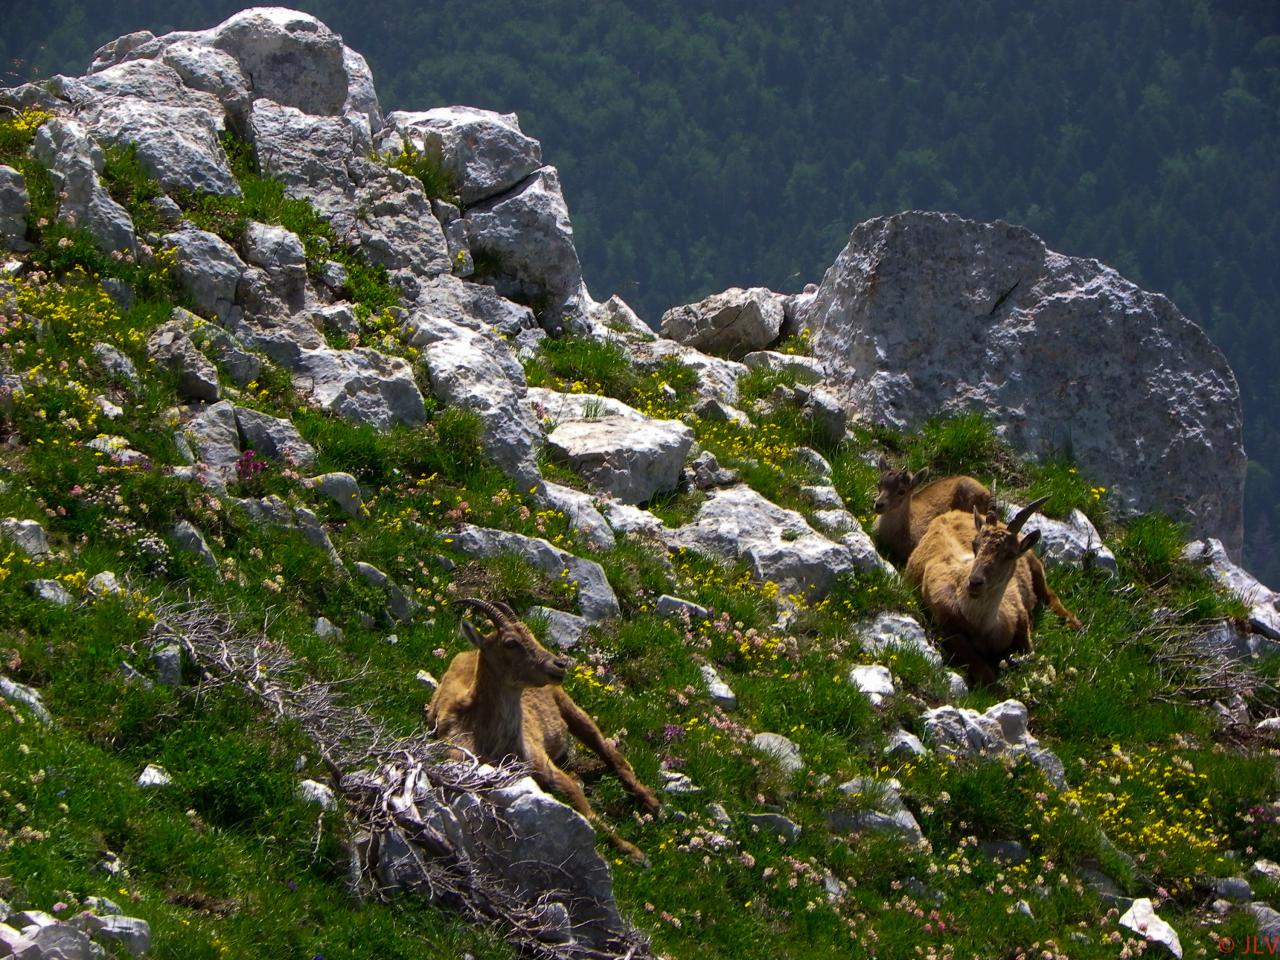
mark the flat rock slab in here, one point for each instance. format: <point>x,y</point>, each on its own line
<point>628,459</point>
<point>1061,352</point>
<point>736,522</point>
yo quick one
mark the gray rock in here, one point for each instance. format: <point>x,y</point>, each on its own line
<point>427,680</point>
<point>211,71</point>
<point>717,377</point>
<point>895,631</point>
<point>1236,889</point>
<point>813,461</point>
<point>1263,602</point>
<point>563,629</point>
<point>629,520</point>
<point>862,551</point>
<point>775,825</point>
<point>178,144</point>
<point>1141,918</point>
<point>273,437</point>
<point>119,366</point>
<point>717,412</point>
<point>1144,401</point>
<point>619,320</point>
<point>311,155</point>
<point>325,630</point>
<point>729,324</point>
<point>51,591</point>
<point>675,608</point>
<point>14,207</point>
<point>17,946</point>
<point>527,232</point>
<point>580,510</point>
<point>170,345</point>
<point>342,489</point>
<point>75,161</point>
<point>121,293</point>
<point>168,664</point>
<point>554,408</point>
<point>632,460</point>
<point>215,439</point>
<point>27,96</point>
<point>782,750</point>
<point>154,775</point>
<point>362,385</point>
<point>705,472</point>
<point>478,372</point>
<point>1000,731</point>
<point>825,414</point>
<point>1268,919</point>
<point>27,535</point>
<point>230,354</point>
<point>209,270</point>
<point>279,252</point>
<point>904,744</point>
<point>482,153</point>
<point>104,584</point>
<point>26,696</point>
<point>117,448</point>
<point>399,606</point>
<point>595,597</point>
<point>318,794</point>
<point>1264,869</point>
<point>874,821</point>
<point>170,213</point>
<point>956,686</point>
<point>397,228</point>
<point>63,941</point>
<point>777,543</point>
<point>873,680</point>
<point>103,907</point>
<point>673,781</point>
<point>719,691</point>
<point>1075,540</point>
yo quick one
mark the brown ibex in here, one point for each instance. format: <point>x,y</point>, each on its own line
<point>905,512</point>
<point>982,582</point>
<point>504,699</point>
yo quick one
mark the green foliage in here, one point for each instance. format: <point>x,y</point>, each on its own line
<point>427,167</point>
<point>132,186</point>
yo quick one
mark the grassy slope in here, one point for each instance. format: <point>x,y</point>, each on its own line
<point>228,863</point>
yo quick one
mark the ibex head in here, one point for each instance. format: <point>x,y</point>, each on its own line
<point>896,485</point>
<point>511,649</point>
<point>996,547</point>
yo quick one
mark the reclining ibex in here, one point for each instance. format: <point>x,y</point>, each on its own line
<point>906,512</point>
<point>504,699</point>
<point>982,583</point>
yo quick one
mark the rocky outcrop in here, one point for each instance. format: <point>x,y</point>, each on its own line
<point>1262,601</point>
<point>924,313</point>
<point>729,324</point>
<point>75,161</point>
<point>14,207</point>
<point>778,545</point>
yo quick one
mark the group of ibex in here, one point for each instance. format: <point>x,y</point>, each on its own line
<point>980,580</point>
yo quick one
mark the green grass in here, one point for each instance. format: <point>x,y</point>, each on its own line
<point>227,862</point>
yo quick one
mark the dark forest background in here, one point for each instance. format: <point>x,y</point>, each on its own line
<point>704,145</point>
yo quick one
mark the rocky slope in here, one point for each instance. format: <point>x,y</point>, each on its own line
<point>254,333</point>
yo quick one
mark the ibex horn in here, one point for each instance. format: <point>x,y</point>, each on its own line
<point>488,609</point>
<point>1025,514</point>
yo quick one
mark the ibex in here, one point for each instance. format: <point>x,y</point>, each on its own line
<point>504,699</point>
<point>905,512</point>
<point>982,583</point>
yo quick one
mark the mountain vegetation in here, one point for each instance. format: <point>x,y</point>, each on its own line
<point>752,858</point>
<point>713,145</point>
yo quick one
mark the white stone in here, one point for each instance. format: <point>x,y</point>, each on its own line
<point>873,680</point>
<point>719,691</point>
<point>154,776</point>
<point>632,460</point>
<point>319,794</point>
<point>729,324</point>
<point>786,753</point>
<point>1141,918</point>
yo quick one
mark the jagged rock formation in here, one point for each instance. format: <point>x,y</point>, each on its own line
<point>926,312</point>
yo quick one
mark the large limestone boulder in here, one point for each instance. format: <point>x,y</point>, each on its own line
<point>14,207</point>
<point>310,155</point>
<point>729,324</point>
<point>362,385</point>
<point>74,162</point>
<point>1000,731</point>
<point>527,234</point>
<point>1263,602</point>
<point>620,452</point>
<point>779,545</point>
<point>928,312</point>
<point>209,270</point>
<point>482,152</point>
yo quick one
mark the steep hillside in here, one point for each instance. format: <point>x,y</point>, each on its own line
<point>284,379</point>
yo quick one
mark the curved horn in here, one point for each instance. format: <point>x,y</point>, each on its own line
<point>506,608</point>
<point>488,609</point>
<point>1025,513</point>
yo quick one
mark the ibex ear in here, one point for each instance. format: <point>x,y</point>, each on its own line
<point>1029,541</point>
<point>471,633</point>
<point>881,463</point>
<point>919,477</point>
<point>977,518</point>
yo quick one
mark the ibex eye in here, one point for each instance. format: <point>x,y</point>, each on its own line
<point>512,642</point>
